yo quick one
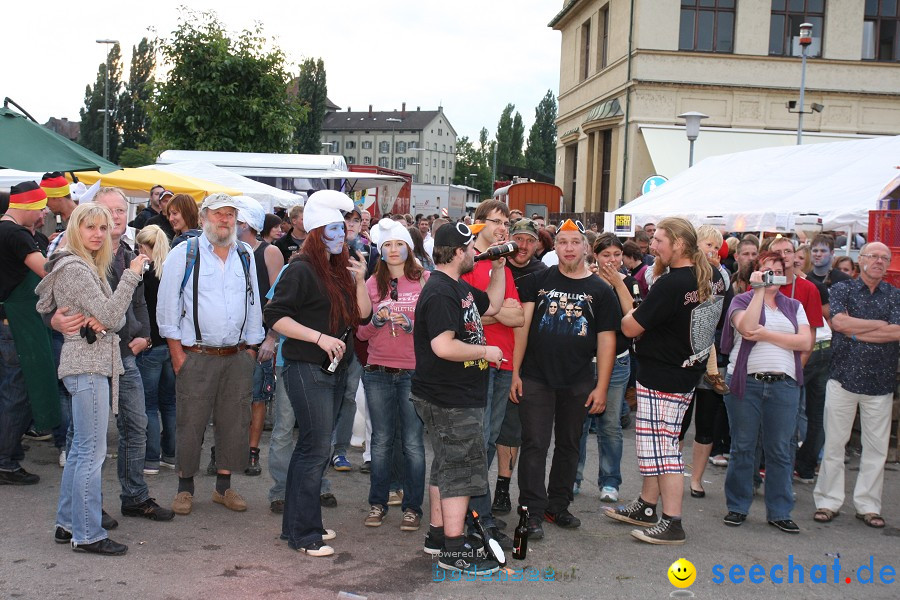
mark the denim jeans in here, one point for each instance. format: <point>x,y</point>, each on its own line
<point>80,501</point>
<point>60,432</point>
<point>15,410</point>
<point>158,379</point>
<point>499,382</point>
<point>343,428</point>
<point>815,377</point>
<point>281,441</point>
<point>392,412</point>
<point>609,434</point>
<point>316,398</point>
<point>132,424</point>
<point>770,408</point>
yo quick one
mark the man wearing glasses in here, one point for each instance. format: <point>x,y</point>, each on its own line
<point>799,289</point>
<point>866,322</point>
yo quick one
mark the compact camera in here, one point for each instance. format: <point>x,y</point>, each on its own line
<point>770,278</point>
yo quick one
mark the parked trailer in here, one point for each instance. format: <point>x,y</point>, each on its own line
<point>389,197</point>
<point>531,197</point>
<point>430,199</point>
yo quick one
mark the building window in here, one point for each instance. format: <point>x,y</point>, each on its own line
<point>384,147</point>
<point>881,31</point>
<point>440,131</point>
<point>707,26</point>
<point>349,145</point>
<point>784,26</point>
<point>442,180</point>
<point>401,148</point>
<point>383,162</point>
<point>413,145</point>
<point>450,164</point>
<point>435,163</point>
<point>399,163</point>
<point>584,58</point>
<point>444,146</point>
<point>433,179</point>
<point>351,160</point>
<point>603,38</point>
<point>443,164</point>
<point>367,145</point>
<point>367,160</point>
<point>335,147</point>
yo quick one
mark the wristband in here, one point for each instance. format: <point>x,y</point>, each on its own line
<point>853,337</point>
<point>318,338</point>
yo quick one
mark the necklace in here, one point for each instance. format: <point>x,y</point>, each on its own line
<point>13,219</point>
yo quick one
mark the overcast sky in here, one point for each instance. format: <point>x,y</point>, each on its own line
<point>471,56</point>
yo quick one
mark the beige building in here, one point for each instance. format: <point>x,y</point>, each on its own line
<point>419,142</point>
<point>629,67</point>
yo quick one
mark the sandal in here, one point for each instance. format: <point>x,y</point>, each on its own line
<point>871,519</point>
<point>824,515</point>
<point>717,383</point>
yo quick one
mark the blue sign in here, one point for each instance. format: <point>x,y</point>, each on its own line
<point>652,182</point>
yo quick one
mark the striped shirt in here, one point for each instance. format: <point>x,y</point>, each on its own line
<point>766,357</point>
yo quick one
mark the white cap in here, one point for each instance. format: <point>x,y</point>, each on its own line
<point>251,212</point>
<point>214,201</point>
<point>388,229</point>
<point>324,207</point>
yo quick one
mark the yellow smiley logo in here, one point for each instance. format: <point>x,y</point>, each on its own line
<point>682,573</point>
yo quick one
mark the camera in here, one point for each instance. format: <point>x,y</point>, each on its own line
<point>146,267</point>
<point>770,278</point>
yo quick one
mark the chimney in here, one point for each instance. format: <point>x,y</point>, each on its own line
<point>370,111</point>
<point>348,109</point>
<point>418,108</point>
<point>403,110</point>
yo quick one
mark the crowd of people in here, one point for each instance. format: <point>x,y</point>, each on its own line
<point>221,313</point>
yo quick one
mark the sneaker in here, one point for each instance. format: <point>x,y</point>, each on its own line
<point>328,500</point>
<point>718,461</point>
<point>395,498</point>
<point>253,469</point>
<point>230,500</point>
<point>376,516</point>
<point>411,520</point>
<point>734,519</point>
<point>340,463</point>
<point>182,503</point>
<point>576,489</point>
<point>151,470</point>
<point>637,512</point>
<point>328,534</point>
<point>717,383</point>
<point>563,518</point>
<point>467,560</point>
<point>18,477</point>
<point>277,507</point>
<point>37,436</point>
<point>502,502</point>
<point>504,540</point>
<point>535,528</point>
<point>786,525</point>
<point>211,468</point>
<point>62,458</point>
<point>105,547</point>
<point>167,462</point>
<point>801,479</point>
<point>148,509</point>
<point>366,467</point>
<point>433,543</point>
<point>61,536</point>
<point>667,532</point>
<point>107,522</point>
<point>316,549</point>
<point>609,494</point>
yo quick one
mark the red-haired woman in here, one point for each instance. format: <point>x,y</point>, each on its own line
<point>320,296</point>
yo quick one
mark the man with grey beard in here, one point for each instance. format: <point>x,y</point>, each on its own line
<point>213,355</point>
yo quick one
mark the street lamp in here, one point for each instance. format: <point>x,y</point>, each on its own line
<point>106,100</point>
<point>328,145</point>
<point>805,41</point>
<point>392,120</point>
<point>692,130</point>
<point>466,178</point>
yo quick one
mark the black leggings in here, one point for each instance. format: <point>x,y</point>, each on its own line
<point>710,412</point>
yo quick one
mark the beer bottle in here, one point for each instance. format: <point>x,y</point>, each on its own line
<point>636,295</point>
<point>520,538</point>
<point>491,545</point>
<point>330,366</point>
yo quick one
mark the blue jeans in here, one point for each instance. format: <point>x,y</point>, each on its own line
<point>132,424</point>
<point>60,432</point>
<point>499,382</point>
<point>158,379</point>
<point>772,409</point>
<point>316,398</point>
<point>281,441</point>
<point>343,428</point>
<point>80,501</point>
<point>15,410</point>
<point>392,412</point>
<point>609,434</point>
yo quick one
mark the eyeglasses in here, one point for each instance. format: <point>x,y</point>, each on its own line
<point>784,252</point>
<point>394,290</point>
<point>499,222</point>
<point>880,257</point>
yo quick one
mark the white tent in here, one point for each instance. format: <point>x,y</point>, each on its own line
<point>767,189</point>
<point>267,195</point>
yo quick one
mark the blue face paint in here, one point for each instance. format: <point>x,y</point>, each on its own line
<point>334,238</point>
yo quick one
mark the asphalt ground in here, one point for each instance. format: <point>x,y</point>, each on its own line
<point>217,554</point>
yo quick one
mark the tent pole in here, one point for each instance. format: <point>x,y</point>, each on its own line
<point>849,239</point>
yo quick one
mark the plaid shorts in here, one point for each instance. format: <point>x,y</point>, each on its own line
<point>656,429</point>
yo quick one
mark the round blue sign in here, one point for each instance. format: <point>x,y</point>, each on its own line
<point>652,182</point>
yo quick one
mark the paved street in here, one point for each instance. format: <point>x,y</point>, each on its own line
<point>218,554</point>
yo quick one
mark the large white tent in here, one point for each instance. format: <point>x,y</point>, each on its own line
<point>767,189</point>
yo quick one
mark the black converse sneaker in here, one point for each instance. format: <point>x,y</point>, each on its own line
<point>467,559</point>
<point>637,512</point>
<point>667,532</point>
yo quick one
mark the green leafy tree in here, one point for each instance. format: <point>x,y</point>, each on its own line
<point>472,159</point>
<point>312,91</point>
<point>222,93</point>
<point>540,155</point>
<point>510,138</point>
<point>136,100</point>
<point>91,134</point>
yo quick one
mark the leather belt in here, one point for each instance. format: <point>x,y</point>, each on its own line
<point>822,345</point>
<point>769,377</point>
<point>383,369</point>
<point>215,350</point>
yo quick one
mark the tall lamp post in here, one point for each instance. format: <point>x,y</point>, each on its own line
<point>692,130</point>
<point>106,100</point>
<point>805,41</point>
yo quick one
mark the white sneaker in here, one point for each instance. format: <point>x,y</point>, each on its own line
<point>151,470</point>
<point>62,458</point>
<point>329,534</point>
<point>609,494</point>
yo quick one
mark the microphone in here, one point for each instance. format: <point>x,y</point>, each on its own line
<point>495,252</point>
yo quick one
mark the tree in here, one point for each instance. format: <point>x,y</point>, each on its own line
<point>471,159</point>
<point>510,137</point>
<point>224,94</point>
<point>540,155</point>
<point>136,100</point>
<point>312,91</point>
<point>91,133</point>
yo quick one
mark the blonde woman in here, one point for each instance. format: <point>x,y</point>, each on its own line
<point>76,278</point>
<point>155,362</point>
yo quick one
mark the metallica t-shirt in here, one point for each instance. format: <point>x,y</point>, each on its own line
<point>568,315</point>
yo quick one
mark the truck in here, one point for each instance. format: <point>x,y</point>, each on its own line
<point>388,197</point>
<point>448,201</point>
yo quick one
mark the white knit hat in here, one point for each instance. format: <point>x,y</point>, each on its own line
<point>251,212</point>
<point>388,229</point>
<point>324,207</point>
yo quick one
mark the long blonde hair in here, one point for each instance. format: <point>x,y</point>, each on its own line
<point>154,238</point>
<point>677,228</point>
<point>90,212</point>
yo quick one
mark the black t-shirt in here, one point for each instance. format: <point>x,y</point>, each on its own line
<point>288,245</point>
<point>833,276</point>
<point>16,243</point>
<point>523,277</point>
<point>449,305</point>
<point>679,331</point>
<point>162,222</point>
<point>568,315</point>
<point>623,342</point>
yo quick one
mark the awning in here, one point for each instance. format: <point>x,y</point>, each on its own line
<point>137,183</point>
<point>670,150</point>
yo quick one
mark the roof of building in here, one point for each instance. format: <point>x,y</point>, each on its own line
<point>415,120</point>
<point>561,14</point>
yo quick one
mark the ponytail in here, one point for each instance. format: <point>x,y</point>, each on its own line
<point>677,228</point>
<point>703,273</point>
<point>156,239</point>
